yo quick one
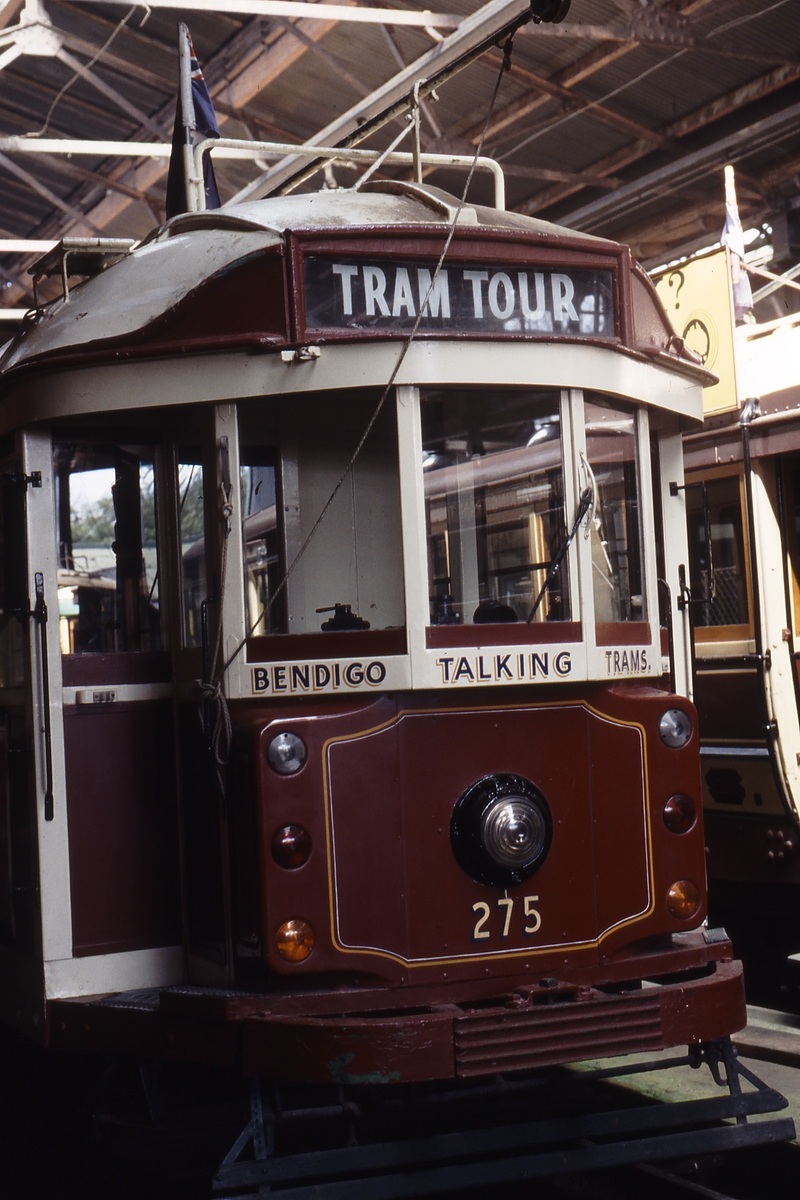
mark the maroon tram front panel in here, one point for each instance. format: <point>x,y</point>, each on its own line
<point>382,886</point>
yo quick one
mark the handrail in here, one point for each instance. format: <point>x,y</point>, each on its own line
<point>39,613</point>
<point>278,150</point>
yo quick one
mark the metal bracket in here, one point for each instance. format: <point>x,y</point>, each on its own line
<point>33,480</point>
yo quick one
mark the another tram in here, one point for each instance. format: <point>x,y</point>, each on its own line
<point>335,740</point>
<point>743,501</point>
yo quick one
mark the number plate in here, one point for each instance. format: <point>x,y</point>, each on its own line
<point>505,918</point>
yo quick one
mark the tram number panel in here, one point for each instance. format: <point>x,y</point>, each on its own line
<point>504,921</point>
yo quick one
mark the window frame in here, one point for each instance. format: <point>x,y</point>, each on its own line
<point>708,636</point>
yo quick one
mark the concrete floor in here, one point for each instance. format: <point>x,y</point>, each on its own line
<point>769,1046</point>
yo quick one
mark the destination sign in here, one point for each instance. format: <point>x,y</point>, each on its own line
<point>350,293</point>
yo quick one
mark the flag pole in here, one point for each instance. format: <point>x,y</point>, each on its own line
<point>733,238</point>
<point>187,116</point>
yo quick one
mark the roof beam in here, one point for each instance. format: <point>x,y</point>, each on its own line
<point>688,169</point>
<point>552,88</point>
<point>562,82</point>
<point>260,66</point>
<point>641,36</point>
<point>298,9</point>
<point>76,171</point>
<point>36,186</point>
<point>690,123</point>
<point>262,69</point>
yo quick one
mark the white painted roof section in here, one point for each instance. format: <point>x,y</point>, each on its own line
<point>385,203</point>
<point>133,292</point>
<point>176,259</point>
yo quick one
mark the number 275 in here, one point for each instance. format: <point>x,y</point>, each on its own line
<point>505,906</point>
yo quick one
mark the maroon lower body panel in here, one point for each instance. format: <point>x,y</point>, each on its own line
<point>422,1033</point>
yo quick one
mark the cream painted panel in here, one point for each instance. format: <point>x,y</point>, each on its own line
<point>53,836</point>
<point>219,377</point>
<point>114,972</point>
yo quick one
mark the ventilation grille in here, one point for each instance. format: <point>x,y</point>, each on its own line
<point>496,1041</point>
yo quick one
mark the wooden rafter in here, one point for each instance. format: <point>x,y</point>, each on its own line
<point>690,123</point>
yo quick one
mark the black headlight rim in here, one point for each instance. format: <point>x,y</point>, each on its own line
<point>467,821</point>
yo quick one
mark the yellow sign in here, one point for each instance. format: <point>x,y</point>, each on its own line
<point>697,297</point>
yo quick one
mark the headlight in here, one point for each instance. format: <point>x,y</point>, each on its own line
<point>513,831</point>
<point>675,728</point>
<point>286,753</point>
<point>501,829</point>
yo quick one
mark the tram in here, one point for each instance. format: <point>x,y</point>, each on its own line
<point>343,664</point>
<point>743,501</point>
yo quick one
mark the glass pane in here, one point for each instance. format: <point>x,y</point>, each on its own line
<point>716,553</point>
<point>108,560</point>
<point>293,453</point>
<point>265,605</point>
<point>193,543</point>
<point>494,501</point>
<point>615,529</point>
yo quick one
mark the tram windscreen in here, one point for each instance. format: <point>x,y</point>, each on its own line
<point>345,573</point>
<point>615,527</point>
<point>107,553</point>
<point>494,501</point>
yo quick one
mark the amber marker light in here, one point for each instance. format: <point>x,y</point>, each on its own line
<point>291,846</point>
<point>683,899</point>
<point>679,813</point>
<point>295,940</point>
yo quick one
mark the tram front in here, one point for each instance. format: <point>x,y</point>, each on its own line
<point>407,530</point>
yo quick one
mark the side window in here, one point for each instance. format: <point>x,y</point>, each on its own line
<point>107,553</point>
<point>194,586</point>
<point>716,555</point>
<point>266,606</point>
<point>616,524</point>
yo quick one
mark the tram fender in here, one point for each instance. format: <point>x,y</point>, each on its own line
<point>356,1050</point>
<point>709,1008</point>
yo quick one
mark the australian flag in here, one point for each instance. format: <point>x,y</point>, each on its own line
<point>190,128</point>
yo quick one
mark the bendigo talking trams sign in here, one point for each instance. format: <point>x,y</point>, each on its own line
<point>349,293</point>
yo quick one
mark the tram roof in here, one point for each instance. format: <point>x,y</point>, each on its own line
<point>147,285</point>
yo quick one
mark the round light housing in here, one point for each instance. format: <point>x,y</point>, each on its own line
<point>295,941</point>
<point>683,899</point>
<point>675,728</point>
<point>513,831</point>
<point>286,753</point>
<point>291,846</point>
<point>679,813</point>
<point>500,830</point>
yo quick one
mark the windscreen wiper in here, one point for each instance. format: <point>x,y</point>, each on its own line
<point>587,496</point>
